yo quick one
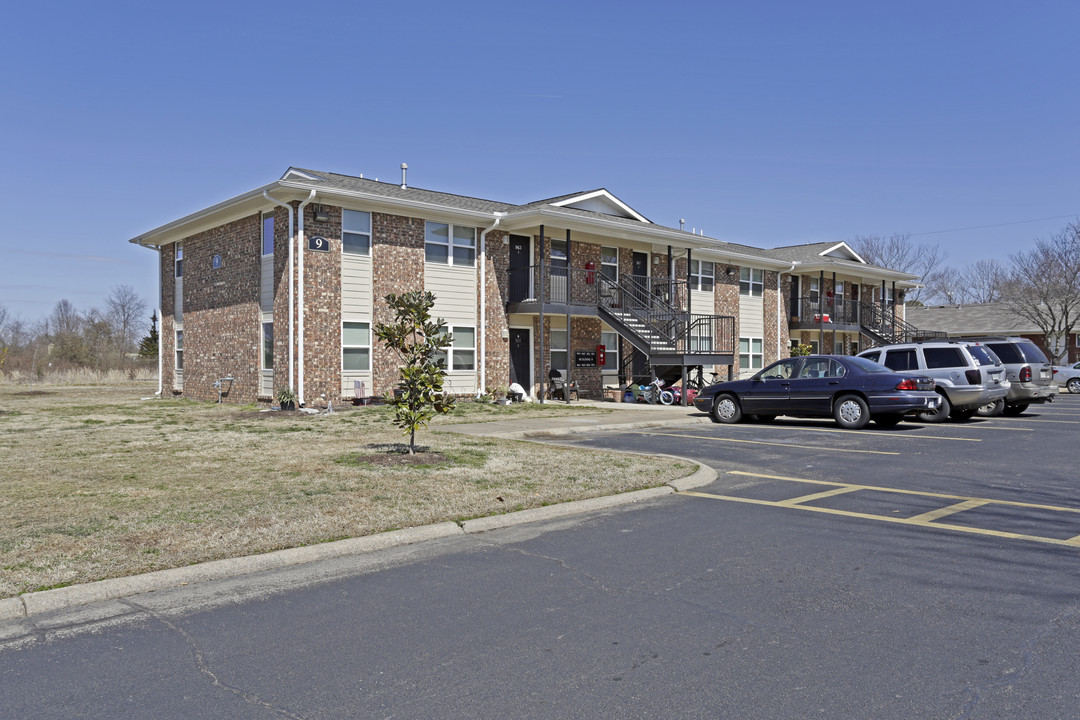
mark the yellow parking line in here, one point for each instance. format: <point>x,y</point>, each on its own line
<point>787,445</point>
<point>1064,422</point>
<point>926,520</point>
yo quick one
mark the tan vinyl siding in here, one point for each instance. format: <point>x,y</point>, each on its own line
<point>455,292</point>
<point>356,284</point>
<point>266,285</point>
<point>751,316</point>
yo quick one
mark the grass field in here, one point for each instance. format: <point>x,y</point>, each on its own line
<point>98,482</point>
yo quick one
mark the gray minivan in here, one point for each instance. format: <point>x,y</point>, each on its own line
<point>967,374</point>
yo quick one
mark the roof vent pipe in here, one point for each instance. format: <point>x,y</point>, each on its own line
<point>682,223</point>
<point>404,169</point>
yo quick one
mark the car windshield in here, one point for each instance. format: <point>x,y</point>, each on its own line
<point>866,365</point>
<point>983,355</point>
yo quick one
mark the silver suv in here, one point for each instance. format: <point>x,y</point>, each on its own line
<point>967,375</point>
<point>1029,373</point>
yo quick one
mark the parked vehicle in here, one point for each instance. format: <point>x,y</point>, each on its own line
<point>851,390</point>
<point>1067,375</point>
<point>967,374</point>
<point>1029,373</point>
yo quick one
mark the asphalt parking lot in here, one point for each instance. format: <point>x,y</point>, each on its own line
<point>1006,477</point>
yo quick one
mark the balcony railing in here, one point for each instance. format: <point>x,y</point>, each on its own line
<point>585,286</point>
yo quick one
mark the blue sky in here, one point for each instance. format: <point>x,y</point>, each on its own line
<point>763,123</point>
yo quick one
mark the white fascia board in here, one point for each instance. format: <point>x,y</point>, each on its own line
<point>607,196</point>
<point>211,217</point>
<point>863,272</point>
<point>401,206</point>
<point>847,249</point>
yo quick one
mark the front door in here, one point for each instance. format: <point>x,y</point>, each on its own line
<point>520,355</point>
<point>520,278</point>
<point>795,312</point>
<point>639,279</point>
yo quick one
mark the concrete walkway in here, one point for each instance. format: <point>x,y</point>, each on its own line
<point>625,416</point>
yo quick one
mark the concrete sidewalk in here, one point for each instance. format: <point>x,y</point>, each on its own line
<point>624,416</point>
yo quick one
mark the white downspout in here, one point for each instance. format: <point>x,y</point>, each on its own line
<point>483,304</point>
<point>292,253</point>
<point>300,272</point>
<point>780,307</point>
<point>161,325</point>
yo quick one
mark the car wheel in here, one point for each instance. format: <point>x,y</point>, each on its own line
<point>962,415</point>
<point>991,409</point>
<point>1015,409</point>
<point>1073,385</point>
<point>726,409</point>
<point>889,420</point>
<point>851,412</point>
<point>938,415</point>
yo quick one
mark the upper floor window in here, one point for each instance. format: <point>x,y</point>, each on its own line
<point>355,232</point>
<point>179,260</point>
<point>751,281</point>
<point>702,275</point>
<point>268,235</point>
<point>449,244</point>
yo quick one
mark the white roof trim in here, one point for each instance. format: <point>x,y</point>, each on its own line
<point>607,196</point>
<point>293,172</point>
<point>854,255</point>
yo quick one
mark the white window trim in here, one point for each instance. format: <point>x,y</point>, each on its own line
<point>178,350</point>
<point>697,277</point>
<point>345,347</point>
<point>344,232</point>
<point>178,260</point>
<point>611,265</point>
<point>454,348</point>
<point>262,345</point>
<point>565,348</point>
<point>750,354</point>
<point>449,244</point>
<point>751,283</point>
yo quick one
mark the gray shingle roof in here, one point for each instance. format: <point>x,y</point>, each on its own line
<point>980,319</point>
<point>391,190</point>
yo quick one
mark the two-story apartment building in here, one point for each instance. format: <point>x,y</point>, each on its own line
<point>282,287</point>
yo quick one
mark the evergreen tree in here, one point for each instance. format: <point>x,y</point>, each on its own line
<point>148,346</point>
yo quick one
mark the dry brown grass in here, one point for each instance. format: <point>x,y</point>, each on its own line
<point>96,482</point>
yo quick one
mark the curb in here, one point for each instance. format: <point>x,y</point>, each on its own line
<point>43,601</point>
<point>556,432</point>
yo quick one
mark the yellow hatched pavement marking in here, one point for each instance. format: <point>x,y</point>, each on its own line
<point>776,444</point>
<point>923,520</point>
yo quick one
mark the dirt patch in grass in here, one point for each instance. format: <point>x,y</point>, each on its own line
<point>96,482</point>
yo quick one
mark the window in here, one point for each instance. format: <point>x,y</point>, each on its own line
<point>355,346</point>
<point>751,281</point>
<point>609,263</point>
<point>702,275</point>
<point>179,349</point>
<point>838,346</point>
<point>900,360</point>
<point>268,235</point>
<point>355,232</point>
<point>268,346</point>
<point>750,353</point>
<point>462,348</point>
<point>559,352</point>
<point>815,292</point>
<point>179,260</point>
<point>610,341</point>
<point>942,357</point>
<point>449,244</point>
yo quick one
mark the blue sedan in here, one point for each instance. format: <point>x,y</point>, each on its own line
<point>851,390</point>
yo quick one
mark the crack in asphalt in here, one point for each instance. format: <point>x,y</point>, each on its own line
<point>595,582</point>
<point>1067,617</point>
<point>204,666</point>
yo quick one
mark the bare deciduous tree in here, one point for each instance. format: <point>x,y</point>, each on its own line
<point>124,310</point>
<point>1044,287</point>
<point>898,252</point>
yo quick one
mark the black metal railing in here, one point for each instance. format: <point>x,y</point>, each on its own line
<point>826,310</point>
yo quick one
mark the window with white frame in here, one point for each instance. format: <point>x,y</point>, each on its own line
<point>702,275</point>
<point>815,292</point>
<point>179,349</point>
<point>610,341</point>
<point>750,353</point>
<point>268,234</point>
<point>609,263</point>
<point>355,346</point>
<point>751,281</point>
<point>838,346</point>
<point>449,244</point>
<point>268,346</point>
<point>179,260</point>
<point>559,353</point>
<point>461,355</point>
<point>355,232</point>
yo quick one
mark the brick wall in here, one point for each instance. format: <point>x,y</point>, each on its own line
<point>397,256</point>
<point>322,309</point>
<point>167,331</point>
<point>221,310</point>
<point>497,355</point>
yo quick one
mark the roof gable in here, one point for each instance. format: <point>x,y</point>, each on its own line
<point>599,201</point>
<point>843,251</point>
